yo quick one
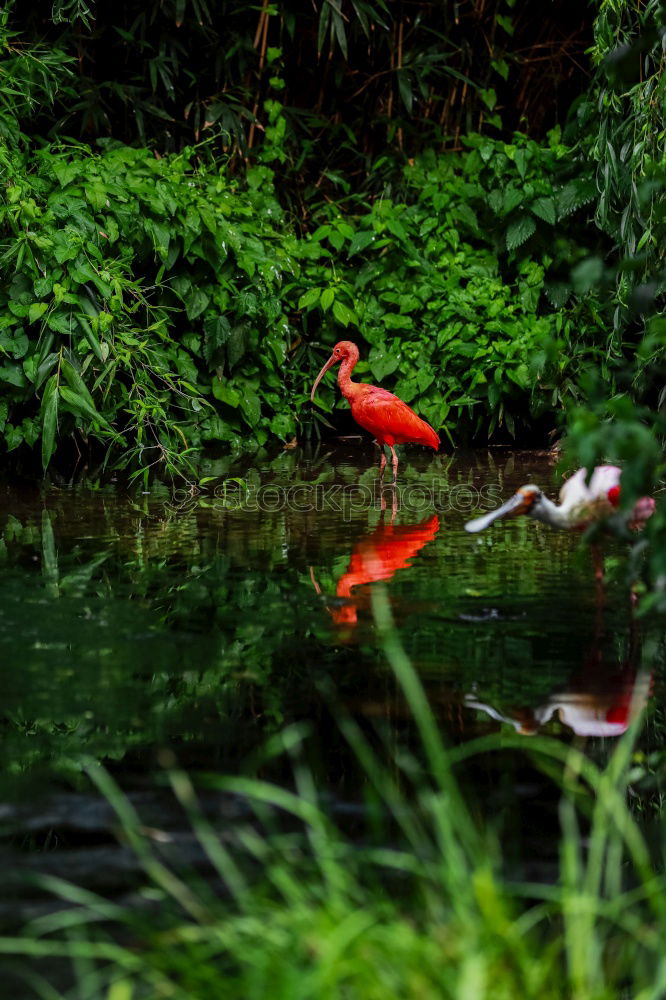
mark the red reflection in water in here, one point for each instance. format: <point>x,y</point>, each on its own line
<point>601,699</point>
<point>378,556</point>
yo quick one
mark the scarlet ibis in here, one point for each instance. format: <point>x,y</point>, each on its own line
<point>386,417</point>
<point>581,503</point>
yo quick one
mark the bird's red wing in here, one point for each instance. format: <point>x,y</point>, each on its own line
<point>391,420</point>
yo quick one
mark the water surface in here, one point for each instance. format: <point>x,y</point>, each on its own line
<point>205,619</point>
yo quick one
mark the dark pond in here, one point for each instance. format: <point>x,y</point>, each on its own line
<point>204,622</point>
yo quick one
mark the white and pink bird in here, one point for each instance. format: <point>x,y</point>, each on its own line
<point>581,503</point>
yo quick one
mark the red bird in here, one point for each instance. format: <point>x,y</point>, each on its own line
<point>377,410</point>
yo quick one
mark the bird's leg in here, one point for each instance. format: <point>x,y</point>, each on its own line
<point>598,559</point>
<point>394,459</point>
<point>394,503</point>
<point>382,465</point>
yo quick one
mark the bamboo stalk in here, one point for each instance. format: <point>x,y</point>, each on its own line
<point>401,28</point>
<point>260,40</point>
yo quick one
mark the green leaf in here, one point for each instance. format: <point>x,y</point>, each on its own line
<point>519,231</point>
<point>407,389</point>
<point>91,338</point>
<point>467,215</point>
<point>36,310</point>
<point>320,233</point>
<point>505,22</point>
<point>324,20</point>
<point>496,200</point>
<point>97,195</point>
<point>66,172</point>
<point>13,373</point>
<point>396,227</point>
<point>13,437</point>
<point>61,322</point>
<point>309,298</point>
<point>574,195</point>
<point>66,250</point>
<point>43,286</point>
<point>43,368</point>
<point>396,321</point>
<point>558,293</point>
<point>77,384</point>
<point>283,426</point>
<point>161,237</point>
<point>236,345</point>
<point>382,363</point>
<point>327,297</point>
<point>343,313</point>
<point>196,303</point>
<point>520,160</point>
<point>49,415</point>
<point>360,241</point>
<point>225,393</point>
<point>81,405</point>
<point>502,67</point>
<point>217,330</point>
<point>405,88</point>
<point>512,198</point>
<point>520,375</point>
<point>251,407</point>
<point>587,274</point>
<point>14,342</point>
<point>425,379</point>
<point>336,239</point>
<point>340,34</point>
<point>544,208</point>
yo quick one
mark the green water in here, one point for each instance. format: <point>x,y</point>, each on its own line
<point>205,621</point>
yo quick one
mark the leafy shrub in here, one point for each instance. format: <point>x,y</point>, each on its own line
<point>134,287</point>
<point>155,304</point>
<point>461,290</point>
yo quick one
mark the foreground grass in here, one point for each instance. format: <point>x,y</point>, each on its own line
<point>295,910</point>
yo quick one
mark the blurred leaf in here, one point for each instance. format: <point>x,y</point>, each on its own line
<point>49,415</point>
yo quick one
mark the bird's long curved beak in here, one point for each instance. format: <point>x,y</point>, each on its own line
<point>512,508</point>
<point>331,361</point>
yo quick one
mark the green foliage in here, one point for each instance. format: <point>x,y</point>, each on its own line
<point>376,77</point>
<point>625,131</point>
<point>153,304</point>
<point>624,125</point>
<point>33,78</point>
<point>156,304</point>
<point>619,430</point>
<point>135,287</point>
<point>463,291</point>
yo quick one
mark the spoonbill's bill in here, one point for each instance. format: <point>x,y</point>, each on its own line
<point>581,503</point>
